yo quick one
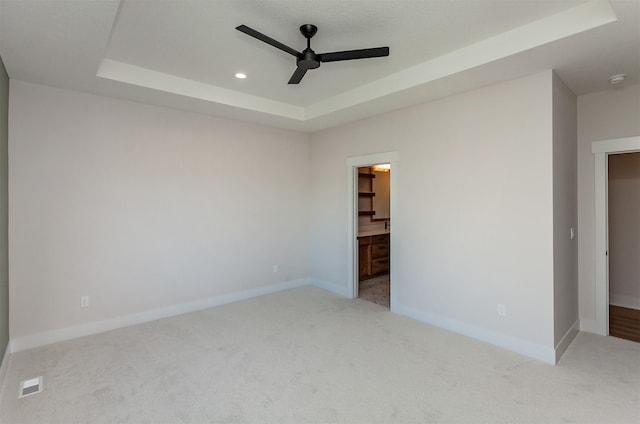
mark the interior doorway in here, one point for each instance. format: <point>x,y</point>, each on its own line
<point>373,235</point>
<point>373,241</point>
<point>602,150</point>
<point>623,188</point>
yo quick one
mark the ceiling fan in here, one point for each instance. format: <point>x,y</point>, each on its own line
<point>308,59</point>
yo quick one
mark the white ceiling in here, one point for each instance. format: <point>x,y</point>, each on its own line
<point>184,54</point>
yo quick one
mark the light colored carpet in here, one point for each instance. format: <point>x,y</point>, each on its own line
<point>308,356</point>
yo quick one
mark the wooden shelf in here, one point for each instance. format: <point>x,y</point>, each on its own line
<point>366,184</point>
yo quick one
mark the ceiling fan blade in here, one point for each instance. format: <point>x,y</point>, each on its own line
<point>255,34</point>
<point>354,54</point>
<point>297,75</point>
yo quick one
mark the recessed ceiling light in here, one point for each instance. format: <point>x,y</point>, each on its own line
<point>617,79</point>
<point>240,75</point>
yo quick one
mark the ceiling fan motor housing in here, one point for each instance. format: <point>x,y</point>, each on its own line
<point>308,59</point>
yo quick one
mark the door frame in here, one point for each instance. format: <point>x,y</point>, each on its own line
<point>353,163</point>
<point>601,150</point>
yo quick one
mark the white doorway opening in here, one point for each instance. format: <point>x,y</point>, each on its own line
<point>602,149</point>
<point>353,163</point>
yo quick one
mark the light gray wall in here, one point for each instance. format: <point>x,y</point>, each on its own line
<point>624,230</point>
<point>565,214</point>
<point>144,207</point>
<point>474,219</point>
<point>105,191</point>
<point>604,115</point>
<point>4,250</point>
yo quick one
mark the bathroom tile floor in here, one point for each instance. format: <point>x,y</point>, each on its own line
<point>376,290</point>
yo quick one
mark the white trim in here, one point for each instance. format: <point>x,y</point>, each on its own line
<point>143,77</point>
<point>61,334</point>
<point>624,301</point>
<point>566,340</point>
<point>542,353</point>
<point>602,149</point>
<point>352,217</point>
<point>616,145</point>
<point>4,367</point>
<point>588,325</point>
<point>331,287</point>
<point>601,245</point>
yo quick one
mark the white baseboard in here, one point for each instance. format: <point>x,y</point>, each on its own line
<point>566,340</point>
<point>532,350</point>
<point>68,333</point>
<point>4,367</point>
<point>331,287</point>
<point>624,301</point>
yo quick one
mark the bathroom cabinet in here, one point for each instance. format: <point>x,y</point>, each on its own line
<point>373,259</point>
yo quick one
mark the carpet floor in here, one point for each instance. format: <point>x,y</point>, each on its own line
<point>308,356</point>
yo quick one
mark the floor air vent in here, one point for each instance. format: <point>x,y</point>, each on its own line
<point>30,387</point>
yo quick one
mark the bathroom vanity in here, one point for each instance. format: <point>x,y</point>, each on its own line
<point>373,254</point>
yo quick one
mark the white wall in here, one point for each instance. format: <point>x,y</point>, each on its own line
<point>605,115</point>
<point>474,219</point>
<point>382,199</point>
<point>565,250</point>
<point>624,230</point>
<point>144,207</point>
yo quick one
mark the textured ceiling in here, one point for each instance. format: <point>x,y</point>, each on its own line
<point>184,53</point>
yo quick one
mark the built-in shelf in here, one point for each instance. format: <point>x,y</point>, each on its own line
<point>367,194</point>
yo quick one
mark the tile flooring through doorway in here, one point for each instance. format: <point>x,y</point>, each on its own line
<point>376,290</point>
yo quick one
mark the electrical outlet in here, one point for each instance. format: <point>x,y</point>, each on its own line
<point>275,268</point>
<point>502,311</point>
<point>84,301</point>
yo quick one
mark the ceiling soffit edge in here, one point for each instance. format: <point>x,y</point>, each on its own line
<point>547,30</point>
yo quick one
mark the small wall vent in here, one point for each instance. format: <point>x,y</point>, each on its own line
<point>30,387</point>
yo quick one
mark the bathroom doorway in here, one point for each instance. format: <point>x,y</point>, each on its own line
<point>374,233</point>
<point>355,250</point>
